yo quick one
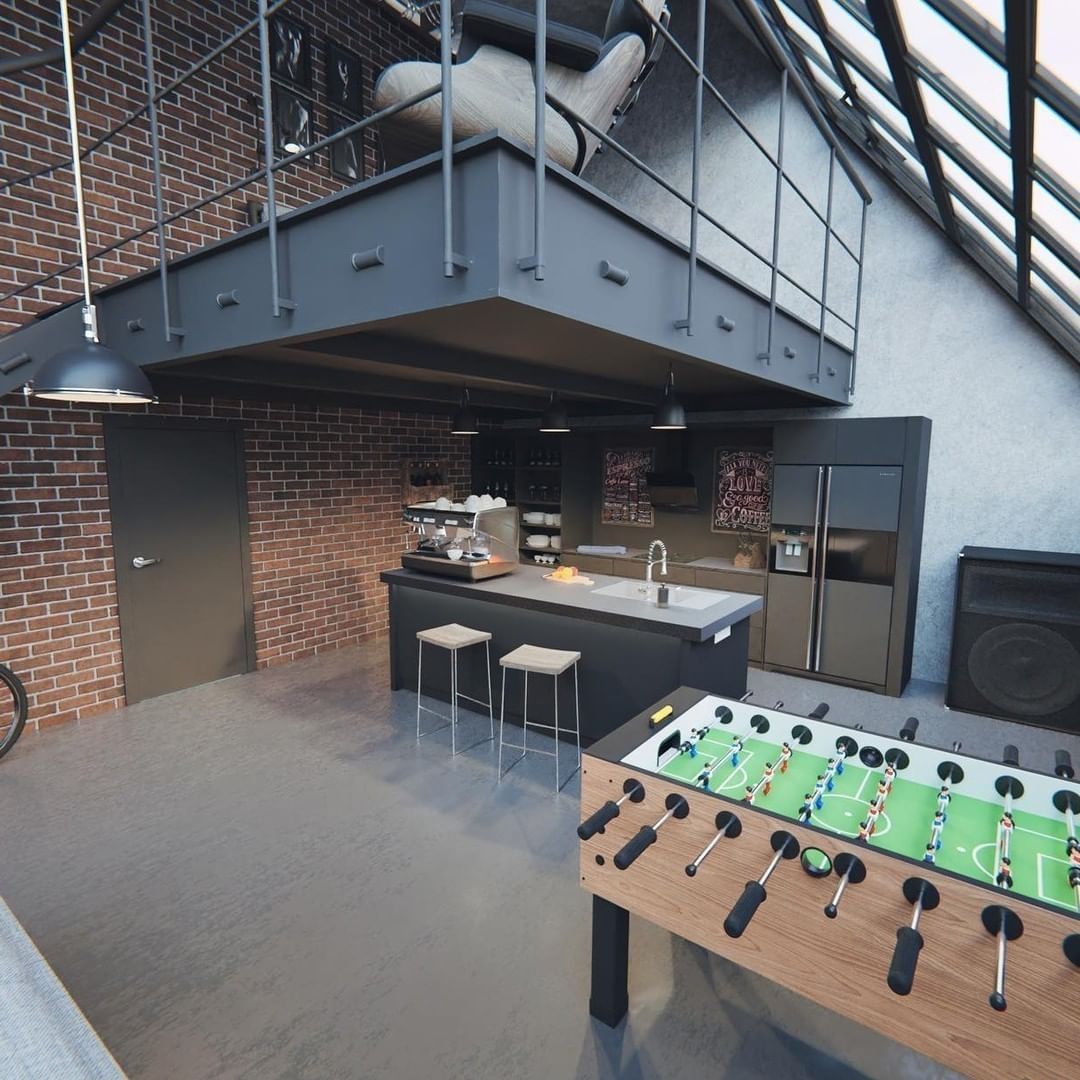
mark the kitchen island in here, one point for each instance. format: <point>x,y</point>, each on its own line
<point>632,651</point>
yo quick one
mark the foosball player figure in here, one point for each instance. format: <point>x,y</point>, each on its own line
<point>700,733</point>
<point>943,800</point>
<point>865,831</point>
<point>785,756</point>
<point>688,748</point>
<point>819,791</point>
<point>890,776</point>
<point>830,772</point>
<point>737,743</point>
<point>936,828</point>
<point>872,816</point>
<point>882,792</point>
<point>1074,858</point>
<point>1004,875</point>
<point>1074,876</point>
<point>807,807</point>
<point>749,796</point>
<point>1071,845</point>
<point>930,853</point>
<point>767,775</point>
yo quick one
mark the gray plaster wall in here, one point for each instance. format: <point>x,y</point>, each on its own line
<point>937,337</point>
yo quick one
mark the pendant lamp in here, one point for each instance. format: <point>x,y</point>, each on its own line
<point>555,419</point>
<point>90,372</point>
<point>464,421</point>
<point>669,415</point>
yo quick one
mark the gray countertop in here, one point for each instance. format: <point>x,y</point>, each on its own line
<point>695,562</point>
<point>527,588</point>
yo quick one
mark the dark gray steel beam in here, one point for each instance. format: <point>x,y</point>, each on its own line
<point>1020,56</point>
<point>422,355</point>
<point>891,35</point>
<point>270,374</point>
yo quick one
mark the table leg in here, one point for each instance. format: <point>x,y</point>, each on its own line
<point>608,1000</point>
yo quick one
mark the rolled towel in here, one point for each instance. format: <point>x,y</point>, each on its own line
<point>601,549</point>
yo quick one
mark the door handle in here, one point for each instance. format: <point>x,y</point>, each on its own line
<point>141,561</point>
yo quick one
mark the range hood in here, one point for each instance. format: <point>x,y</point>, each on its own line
<point>673,491</point>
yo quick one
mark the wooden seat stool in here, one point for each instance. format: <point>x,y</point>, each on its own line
<point>452,637</point>
<point>540,661</point>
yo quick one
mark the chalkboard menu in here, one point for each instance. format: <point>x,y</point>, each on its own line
<point>625,494</point>
<point>742,491</point>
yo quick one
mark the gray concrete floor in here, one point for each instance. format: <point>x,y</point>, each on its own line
<point>267,877</point>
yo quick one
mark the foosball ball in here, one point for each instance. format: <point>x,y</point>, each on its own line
<point>923,892</point>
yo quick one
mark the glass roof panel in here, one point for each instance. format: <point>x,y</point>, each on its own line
<point>852,32</point>
<point>963,180</point>
<point>1052,267</point>
<point>986,236</point>
<point>880,104</point>
<point>957,57</point>
<point>1049,296</point>
<point>1055,217</point>
<point>1056,45</point>
<point>808,37</point>
<point>953,125</point>
<point>993,11</point>
<point>1057,142</point>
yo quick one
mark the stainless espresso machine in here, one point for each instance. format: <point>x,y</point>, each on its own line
<point>469,544</point>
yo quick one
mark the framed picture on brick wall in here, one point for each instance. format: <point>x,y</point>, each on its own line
<point>344,80</point>
<point>347,154</point>
<point>290,50</point>
<point>292,121</point>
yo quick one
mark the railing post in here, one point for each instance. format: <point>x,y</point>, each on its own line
<point>687,324</point>
<point>155,152</point>
<point>825,264</point>
<point>767,354</point>
<point>858,301</point>
<point>447,131</point>
<point>268,154</point>
<point>535,261</point>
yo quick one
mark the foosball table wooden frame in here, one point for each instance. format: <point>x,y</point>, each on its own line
<point>842,962</point>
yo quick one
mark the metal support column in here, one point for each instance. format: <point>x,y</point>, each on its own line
<point>858,301</point>
<point>816,377</point>
<point>767,354</point>
<point>535,261</point>
<point>687,324</point>
<point>447,131</point>
<point>268,161</point>
<point>155,152</point>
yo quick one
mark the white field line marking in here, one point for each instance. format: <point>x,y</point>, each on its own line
<point>730,782</point>
<point>1039,857</point>
<point>858,794</point>
<point>975,858</point>
<point>1043,836</point>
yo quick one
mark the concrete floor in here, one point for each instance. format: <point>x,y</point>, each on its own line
<point>267,877</point>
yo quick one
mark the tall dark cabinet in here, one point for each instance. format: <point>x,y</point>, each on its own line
<point>847,514</point>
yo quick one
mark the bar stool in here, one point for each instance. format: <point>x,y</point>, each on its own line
<point>452,637</point>
<point>540,661</point>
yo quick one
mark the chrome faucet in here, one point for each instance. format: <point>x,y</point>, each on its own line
<point>652,562</point>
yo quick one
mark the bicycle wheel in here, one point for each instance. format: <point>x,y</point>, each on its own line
<point>13,709</point>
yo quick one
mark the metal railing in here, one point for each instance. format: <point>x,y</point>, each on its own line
<point>451,259</point>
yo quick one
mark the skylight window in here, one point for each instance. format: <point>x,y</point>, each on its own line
<point>1057,142</point>
<point>1055,217</point>
<point>955,127</point>
<point>1056,46</point>
<point>852,32</point>
<point>986,202</point>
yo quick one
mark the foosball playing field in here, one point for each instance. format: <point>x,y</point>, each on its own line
<point>841,779</point>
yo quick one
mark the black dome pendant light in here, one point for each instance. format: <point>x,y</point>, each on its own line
<point>464,421</point>
<point>669,415</point>
<point>555,419</point>
<point>89,372</point>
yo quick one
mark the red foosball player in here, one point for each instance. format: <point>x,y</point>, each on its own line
<point>872,816</point>
<point>785,756</point>
<point>1074,858</point>
<point>767,775</point>
<point>1004,876</point>
<point>1006,821</point>
<point>890,775</point>
<point>864,831</point>
<point>882,791</point>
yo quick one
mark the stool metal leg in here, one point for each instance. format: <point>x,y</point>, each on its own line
<point>577,718</point>
<point>556,681</point>
<point>502,720</point>
<point>525,718</point>
<point>419,672</point>
<point>491,698</point>
<point>453,702</point>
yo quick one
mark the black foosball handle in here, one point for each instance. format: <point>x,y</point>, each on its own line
<point>911,725</point>
<point>646,836</point>
<point>1011,756</point>
<point>753,896</point>
<point>595,822</point>
<point>819,711</point>
<point>904,958</point>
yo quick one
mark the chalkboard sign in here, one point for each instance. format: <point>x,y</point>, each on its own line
<point>625,495</point>
<point>742,491</point>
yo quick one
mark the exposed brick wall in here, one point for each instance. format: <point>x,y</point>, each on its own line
<point>209,131</point>
<point>324,502</point>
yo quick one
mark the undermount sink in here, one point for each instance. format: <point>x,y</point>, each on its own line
<point>678,595</point>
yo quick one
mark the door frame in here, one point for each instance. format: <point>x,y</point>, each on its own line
<point>114,421</point>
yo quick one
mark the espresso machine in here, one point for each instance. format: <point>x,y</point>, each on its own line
<point>468,544</point>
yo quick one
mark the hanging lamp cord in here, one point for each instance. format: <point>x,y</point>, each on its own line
<point>89,320</point>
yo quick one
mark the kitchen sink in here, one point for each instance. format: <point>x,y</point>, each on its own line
<point>678,595</point>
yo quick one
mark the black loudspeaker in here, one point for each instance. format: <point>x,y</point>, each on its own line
<point>1016,637</point>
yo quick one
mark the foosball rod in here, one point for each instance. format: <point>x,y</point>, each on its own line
<point>852,871</point>
<point>1009,788</point>
<point>728,825</point>
<point>1006,926</point>
<point>1067,801</point>
<point>675,806</point>
<point>923,896</point>
<point>632,790</point>
<point>753,895</point>
<point>737,743</point>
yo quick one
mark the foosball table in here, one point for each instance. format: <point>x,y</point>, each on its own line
<point>928,894</point>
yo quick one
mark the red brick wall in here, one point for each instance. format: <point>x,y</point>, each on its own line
<point>324,501</point>
<point>209,132</point>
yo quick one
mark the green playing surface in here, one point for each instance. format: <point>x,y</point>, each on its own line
<point>968,843</point>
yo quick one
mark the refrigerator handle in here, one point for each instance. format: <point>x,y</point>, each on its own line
<point>820,563</point>
<point>813,569</point>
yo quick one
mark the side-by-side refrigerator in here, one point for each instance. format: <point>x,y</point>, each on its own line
<point>832,565</point>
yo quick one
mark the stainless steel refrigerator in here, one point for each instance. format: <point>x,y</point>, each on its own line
<point>832,566</point>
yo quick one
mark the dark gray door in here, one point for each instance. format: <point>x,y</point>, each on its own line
<point>790,620</point>
<point>179,521</point>
<point>796,492</point>
<point>855,631</point>
<point>864,497</point>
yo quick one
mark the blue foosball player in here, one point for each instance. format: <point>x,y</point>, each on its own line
<point>829,784</point>
<point>807,807</point>
<point>738,744</point>
<point>819,791</point>
<point>688,748</point>
<point>928,855</point>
